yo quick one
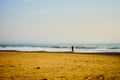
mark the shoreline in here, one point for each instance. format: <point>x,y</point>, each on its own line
<point>99,53</point>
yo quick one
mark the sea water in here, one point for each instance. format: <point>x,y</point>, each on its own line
<point>82,47</point>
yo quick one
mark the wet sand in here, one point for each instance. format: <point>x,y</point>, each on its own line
<point>15,65</point>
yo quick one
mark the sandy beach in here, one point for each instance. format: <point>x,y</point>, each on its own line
<point>15,65</point>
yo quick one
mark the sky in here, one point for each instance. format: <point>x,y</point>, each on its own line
<point>51,21</point>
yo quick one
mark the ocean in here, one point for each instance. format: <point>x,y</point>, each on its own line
<point>82,47</point>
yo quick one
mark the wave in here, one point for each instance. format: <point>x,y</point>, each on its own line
<point>85,47</point>
<point>114,48</point>
<point>60,49</point>
<point>63,48</point>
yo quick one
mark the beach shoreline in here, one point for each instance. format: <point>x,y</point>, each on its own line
<point>39,65</point>
<point>66,52</point>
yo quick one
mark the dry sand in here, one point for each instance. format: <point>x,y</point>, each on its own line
<point>58,66</point>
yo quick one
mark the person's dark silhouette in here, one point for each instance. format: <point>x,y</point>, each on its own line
<point>72,49</point>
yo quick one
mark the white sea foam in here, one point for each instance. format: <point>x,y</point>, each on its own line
<point>64,48</point>
<point>57,49</point>
<point>35,49</point>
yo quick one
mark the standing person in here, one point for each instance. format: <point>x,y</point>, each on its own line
<point>72,48</point>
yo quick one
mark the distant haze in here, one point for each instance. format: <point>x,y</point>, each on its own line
<point>45,21</point>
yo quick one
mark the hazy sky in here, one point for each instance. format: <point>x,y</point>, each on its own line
<point>59,21</point>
